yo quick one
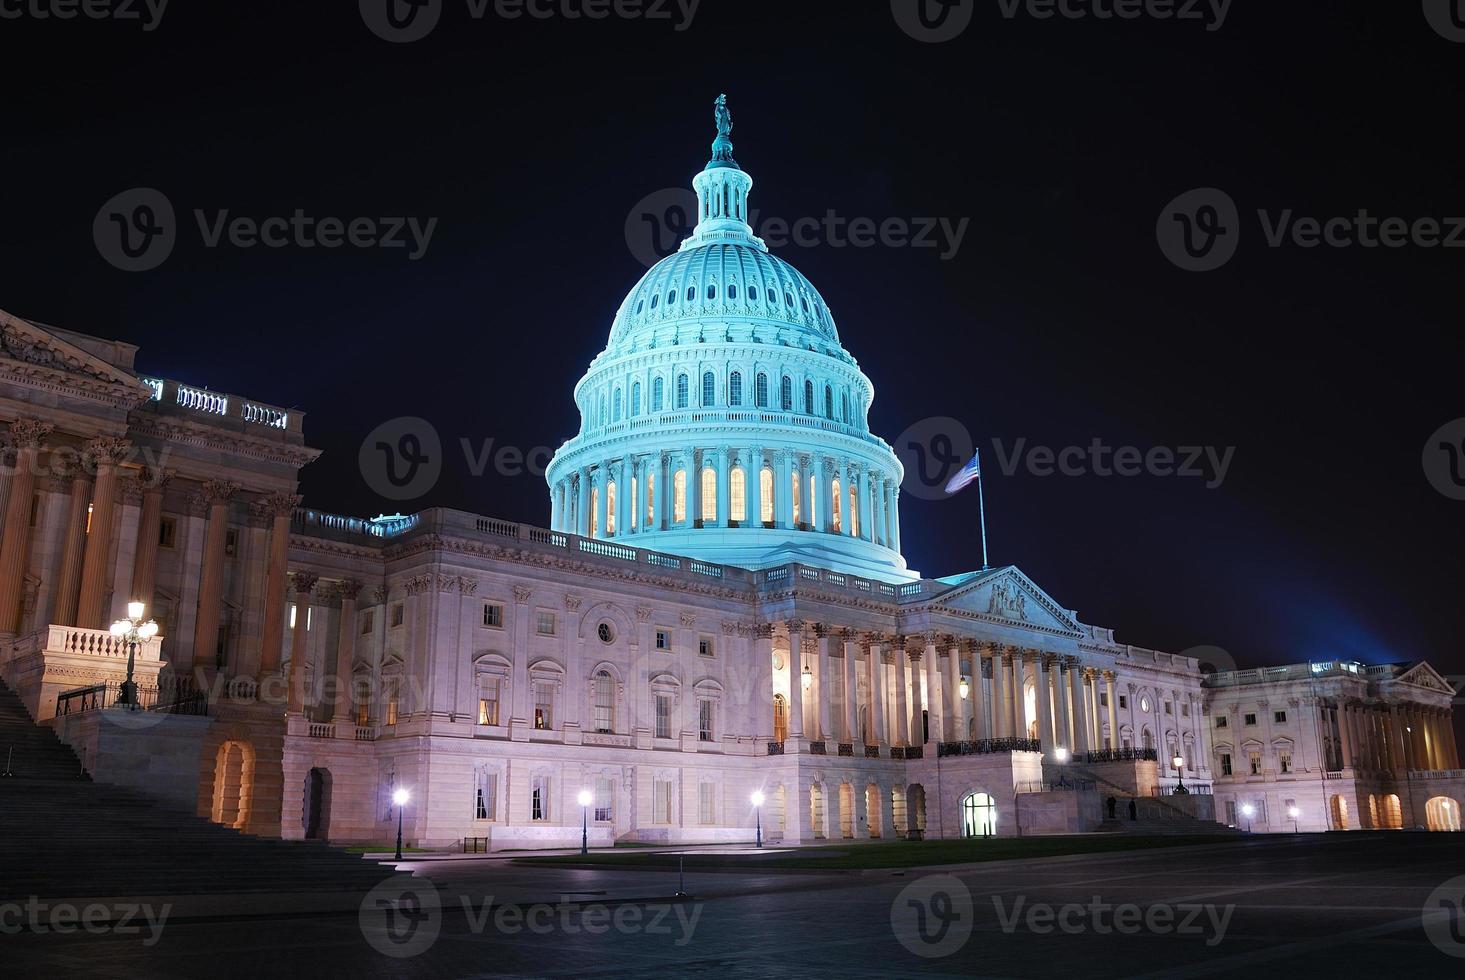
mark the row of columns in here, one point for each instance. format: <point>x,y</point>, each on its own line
<point>646,498</point>
<point>1396,737</point>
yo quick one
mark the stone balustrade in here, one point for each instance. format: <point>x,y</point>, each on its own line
<point>221,407</point>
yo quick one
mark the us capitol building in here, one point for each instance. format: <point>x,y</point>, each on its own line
<point>718,605</point>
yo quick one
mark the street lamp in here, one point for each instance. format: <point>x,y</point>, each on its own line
<point>585,799</point>
<point>806,679</point>
<point>758,814</point>
<point>964,686</point>
<point>1179,762</point>
<point>399,797</point>
<point>1294,813</point>
<point>1061,754</point>
<point>133,631</point>
<point>1248,811</point>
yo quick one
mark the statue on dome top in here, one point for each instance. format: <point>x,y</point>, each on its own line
<point>724,117</point>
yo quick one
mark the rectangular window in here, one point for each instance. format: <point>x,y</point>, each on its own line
<point>167,532</point>
<point>543,706</point>
<point>1225,763</point>
<point>663,801</point>
<point>231,542</point>
<point>1221,721</point>
<point>1285,761</point>
<point>704,646</point>
<point>663,716</point>
<point>1251,719</point>
<point>704,721</point>
<point>1185,709</point>
<point>545,626</point>
<point>493,615</point>
<point>539,799</point>
<point>397,614</point>
<point>1256,763</point>
<point>392,709</point>
<point>1231,812</point>
<point>706,803</point>
<point>1124,700</point>
<point>1169,708</point>
<point>484,795</point>
<point>368,621</point>
<point>363,714</point>
<point>1279,717</point>
<point>663,640</point>
<point>488,700</point>
<point>1103,699</point>
<point>604,800</point>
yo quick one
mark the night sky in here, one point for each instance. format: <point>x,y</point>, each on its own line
<point>1058,321</point>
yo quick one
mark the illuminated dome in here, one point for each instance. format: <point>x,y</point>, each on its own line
<point>724,421</point>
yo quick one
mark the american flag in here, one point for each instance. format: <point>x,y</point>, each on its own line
<point>968,473</point>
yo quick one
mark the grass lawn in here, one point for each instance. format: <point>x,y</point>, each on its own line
<point>891,854</point>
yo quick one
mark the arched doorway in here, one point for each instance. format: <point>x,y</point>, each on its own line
<point>846,811</point>
<point>1393,813</point>
<point>1339,807</point>
<point>1442,813</point>
<point>899,824</point>
<point>978,816</point>
<point>780,718</point>
<point>315,814</point>
<point>816,810</point>
<point>1373,812</point>
<point>916,807</point>
<point>233,784</point>
<point>873,810</point>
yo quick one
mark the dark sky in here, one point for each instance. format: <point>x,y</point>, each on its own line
<point>1058,321</point>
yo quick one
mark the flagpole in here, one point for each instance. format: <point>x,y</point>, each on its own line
<point>982,510</point>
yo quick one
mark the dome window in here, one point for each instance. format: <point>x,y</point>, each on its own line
<point>808,398</point>
<point>691,293</point>
<point>658,394</point>
<point>709,388</point>
<point>735,388</point>
<point>828,402</point>
<point>636,399</point>
<point>712,292</point>
<point>760,390</point>
<point>681,391</point>
<point>732,290</point>
<point>788,299</point>
<point>671,297</point>
<point>639,306</point>
<point>786,394</point>
<point>654,301</point>
<point>752,294</point>
<point>805,300</point>
<point>616,406</point>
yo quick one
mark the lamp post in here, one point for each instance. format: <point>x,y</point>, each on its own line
<point>1294,813</point>
<point>806,679</point>
<point>1179,762</point>
<point>132,630</point>
<point>399,797</point>
<point>585,798</point>
<point>1248,811</point>
<point>1061,754</point>
<point>758,815</point>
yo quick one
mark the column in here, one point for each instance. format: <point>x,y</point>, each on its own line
<point>106,452</point>
<point>582,503</point>
<point>1001,700</point>
<point>145,563</point>
<point>215,494</point>
<point>1096,724</point>
<point>1063,736</point>
<point>795,681</point>
<point>346,652</point>
<point>68,579</point>
<point>27,437</point>
<point>726,458</point>
<point>625,499</point>
<point>875,493</point>
<point>821,471</point>
<point>935,715</point>
<point>851,691</point>
<point>875,659</point>
<point>1045,731</point>
<point>1019,709</point>
<point>782,502</point>
<point>279,506</point>
<point>954,704</point>
<point>895,518</point>
<point>1080,721</point>
<point>1345,739</point>
<point>753,482</point>
<point>1114,719</point>
<point>902,692</point>
<point>304,583</point>
<point>825,687</point>
<point>978,693</point>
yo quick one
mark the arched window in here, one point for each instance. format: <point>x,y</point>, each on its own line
<point>780,718</point>
<point>658,394</point>
<point>828,402</point>
<point>835,510</point>
<point>671,296</point>
<point>752,294</point>
<point>795,498</point>
<point>732,290</point>
<point>786,394</point>
<point>600,416</point>
<point>737,491</point>
<point>854,511</point>
<point>594,512</point>
<point>616,406</point>
<point>788,299</point>
<point>735,388</point>
<point>654,300</point>
<point>605,695</point>
<point>765,495</point>
<point>709,494</point>
<point>760,390</point>
<point>712,291</point>
<point>635,399</point>
<point>844,406</point>
<point>681,391</point>
<point>808,397</point>
<point>805,301</point>
<point>610,509</point>
<point>978,816</point>
<point>709,388</point>
<point>691,293</point>
<point>640,304</point>
<point>679,497</point>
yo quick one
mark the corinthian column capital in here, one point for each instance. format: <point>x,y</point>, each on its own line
<point>275,504</point>
<point>108,450</point>
<point>29,433</point>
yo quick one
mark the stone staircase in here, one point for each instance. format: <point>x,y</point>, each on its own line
<point>1156,815</point>
<point>64,836</point>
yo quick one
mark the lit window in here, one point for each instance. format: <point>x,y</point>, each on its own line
<point>635,496</point>
<point>738,495</point>
<point>780,718</point>
<point>765,495</point>
<point>836,514</point>
<point>854,512</point>
<point>610,509</point>
<point>709,494</point>
<point>485,792</point>
<point>795,498</point>
<point>594,512</point>
<point>679,497</point>
<point>813,504</point>
<point>604,702</point>
<point>539,799</point>
<point>650,502</point>
<point>604,800</point>
<point>544,706</point>
<point>488,700</point>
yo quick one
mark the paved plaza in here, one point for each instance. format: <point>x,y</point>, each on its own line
<point>1304,906</point>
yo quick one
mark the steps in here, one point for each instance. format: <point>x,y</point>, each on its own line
<point>65,836</point>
